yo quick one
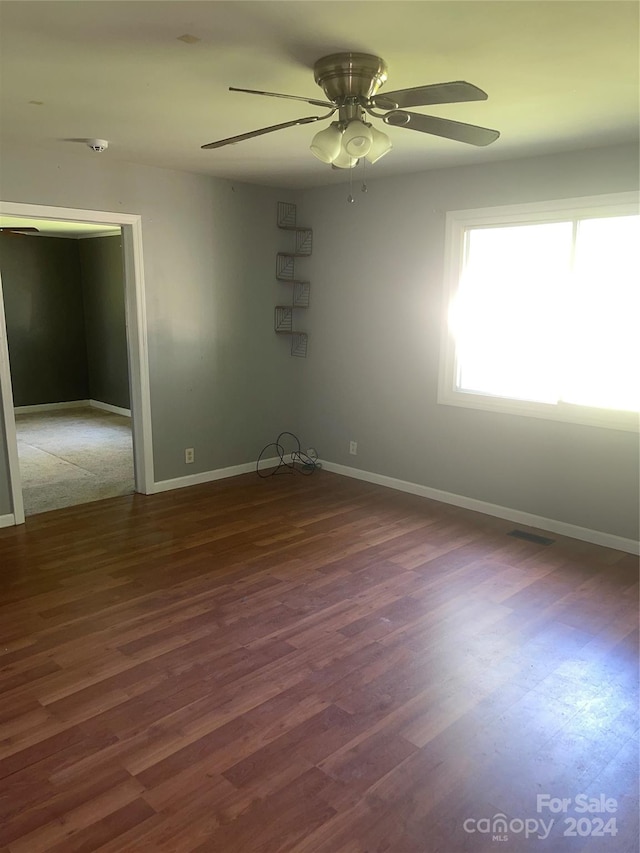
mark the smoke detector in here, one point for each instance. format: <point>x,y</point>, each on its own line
<point>98,144</point>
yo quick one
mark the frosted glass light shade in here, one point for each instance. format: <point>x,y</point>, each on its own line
<point>344,160</point>
<point>357,138</point>
<point>380,145</point>
<point>326,144</point>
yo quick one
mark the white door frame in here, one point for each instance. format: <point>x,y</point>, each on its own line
<point>136,321</point>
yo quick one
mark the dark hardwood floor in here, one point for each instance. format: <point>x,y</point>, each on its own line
<point>314,665</point>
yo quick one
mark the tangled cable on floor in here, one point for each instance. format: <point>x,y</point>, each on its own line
<point>301,462</point>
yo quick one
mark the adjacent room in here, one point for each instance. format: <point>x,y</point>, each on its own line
<point>361,573</point>
<point>64,305</point>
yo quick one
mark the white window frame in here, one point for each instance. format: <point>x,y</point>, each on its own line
<point>457,224</point>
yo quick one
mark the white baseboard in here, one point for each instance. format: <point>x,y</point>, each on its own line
<point>107,407</point>
<point>190,480</point>
<point>210,476</point>
<point>596,537</point>
<point>50,407</point>
<point>73,404</point>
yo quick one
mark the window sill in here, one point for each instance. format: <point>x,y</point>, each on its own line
<point>564,412</point>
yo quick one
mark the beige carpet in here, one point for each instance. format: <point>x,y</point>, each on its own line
<point>73,456</point>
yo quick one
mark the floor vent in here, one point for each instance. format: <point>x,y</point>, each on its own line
<point>531,537</point>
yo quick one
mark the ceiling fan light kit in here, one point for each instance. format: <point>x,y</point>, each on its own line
<point>344,160</point>
<point>350,82</point>
<point>380,145</point>
<point>357,138</point>
<point>343,147</point>
<point>325,145</point>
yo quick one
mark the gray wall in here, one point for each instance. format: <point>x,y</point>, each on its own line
<point>221,380</point>
<point>45,319</point>
<point>375,333</point>
<point>102,274</point>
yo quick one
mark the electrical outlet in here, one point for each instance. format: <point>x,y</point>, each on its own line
<point>189,455</point>
<point>353,448</point>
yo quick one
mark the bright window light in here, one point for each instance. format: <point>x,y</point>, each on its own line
<point>602,313</point>
<point>544,311</point>
<point>507,311</point>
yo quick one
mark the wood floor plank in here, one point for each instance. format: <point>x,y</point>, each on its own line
<point>306,664</point>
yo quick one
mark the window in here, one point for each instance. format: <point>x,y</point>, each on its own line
<point>543,310</point>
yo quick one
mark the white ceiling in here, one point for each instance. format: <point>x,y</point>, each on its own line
<point>560,75</point>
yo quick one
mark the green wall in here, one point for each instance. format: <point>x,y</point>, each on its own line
<point>102,273</point>
<point>45,319</point>
<point>65,312</point>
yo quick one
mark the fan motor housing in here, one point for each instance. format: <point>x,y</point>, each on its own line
<point>350,75</point>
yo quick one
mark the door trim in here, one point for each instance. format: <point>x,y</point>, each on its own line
<point>137,344</point>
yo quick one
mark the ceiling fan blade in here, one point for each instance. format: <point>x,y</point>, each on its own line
<point>444,127</point>
<point>457,91</point>
<point>311,101</point>
<point>241,137</point>
<point>15,229</point>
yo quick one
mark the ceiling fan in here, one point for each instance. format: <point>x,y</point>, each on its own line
<point>350,82</point>
<point>17,231</point>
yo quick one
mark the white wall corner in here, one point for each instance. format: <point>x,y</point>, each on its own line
<point>107,407</point>
<point>51,407</point>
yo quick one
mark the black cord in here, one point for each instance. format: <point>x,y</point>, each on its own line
<point>300,461</point>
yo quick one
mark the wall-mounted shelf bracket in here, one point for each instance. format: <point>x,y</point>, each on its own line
<point>286,273</point>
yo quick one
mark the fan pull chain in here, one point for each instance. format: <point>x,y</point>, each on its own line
<point>364,188</point>
<point>350,197</point>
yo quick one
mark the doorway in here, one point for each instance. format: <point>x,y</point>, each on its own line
<point>136,352</point>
